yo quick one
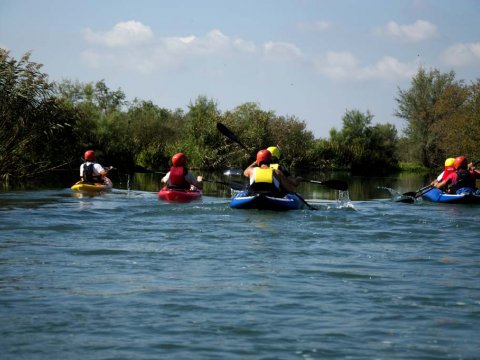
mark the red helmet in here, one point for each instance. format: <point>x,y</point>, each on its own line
<point>460,162</point>
<point>89,155</point>
<point>179,159</point>
<point>264,157</point>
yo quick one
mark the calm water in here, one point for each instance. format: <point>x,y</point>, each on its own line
<point>124,276</point>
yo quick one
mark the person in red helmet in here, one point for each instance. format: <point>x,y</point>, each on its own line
<point>264,179</point>
<point>179,177</point>
<point>92,172</point>
<point>463,180</point>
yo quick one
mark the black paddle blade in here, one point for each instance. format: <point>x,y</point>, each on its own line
<point>228,133</point>
<point>409,194</point>
<point>406,199</point>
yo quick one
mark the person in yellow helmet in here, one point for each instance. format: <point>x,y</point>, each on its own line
<point>275,164</point>
<point>447,170</point>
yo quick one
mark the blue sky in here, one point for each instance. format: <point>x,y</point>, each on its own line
<point>310,59</point>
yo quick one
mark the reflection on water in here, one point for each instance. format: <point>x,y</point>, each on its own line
<point>359,187</point>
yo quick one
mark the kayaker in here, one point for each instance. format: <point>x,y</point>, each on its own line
<point>179,177</point>
<point>92,172</point>
<point>265,179</point>
<point>275,164</point>
<point>447,170</point>
<point>463,180</point>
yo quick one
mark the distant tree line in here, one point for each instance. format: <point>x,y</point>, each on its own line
<point>47,125</point>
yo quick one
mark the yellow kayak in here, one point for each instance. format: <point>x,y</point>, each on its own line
<point>80,186</point>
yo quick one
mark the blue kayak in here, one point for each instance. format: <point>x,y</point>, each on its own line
<point>437,195</point>
<point>246,200</point>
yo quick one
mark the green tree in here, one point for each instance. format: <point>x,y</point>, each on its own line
<point>199,137</point>
<point>36,127</point>
<point>151,129</point>
<point>418,105</point>
<point>359,146</point>
<point>459,131</point>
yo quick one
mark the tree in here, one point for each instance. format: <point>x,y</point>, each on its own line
<point>199,137</point>
<point>419,106</point>
<point>359,146</point>
<point>460,130</point>
<point>36,127</point>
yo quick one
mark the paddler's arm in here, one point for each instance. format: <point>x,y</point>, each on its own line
<point>249,169</point>
<point>442,184</point>
<point>197,182</point>
<point>166,177</point>
<point>284,182</point>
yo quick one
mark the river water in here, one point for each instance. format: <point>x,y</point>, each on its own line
<point>125,276</point>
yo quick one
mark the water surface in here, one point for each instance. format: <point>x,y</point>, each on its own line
<point>124,276</point>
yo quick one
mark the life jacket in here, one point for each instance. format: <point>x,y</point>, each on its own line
<point>447,171</point>
<point>177,178</point>
<point>263,181</point>
<point>274,166</point>
<point>88,175</point>
<point>464,180</point>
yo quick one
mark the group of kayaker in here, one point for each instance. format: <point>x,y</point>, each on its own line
<point>458,176</point>
<point>265,174</point>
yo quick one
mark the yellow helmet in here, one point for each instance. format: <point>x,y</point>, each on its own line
<point>274,151</point>
<point>449,162</point>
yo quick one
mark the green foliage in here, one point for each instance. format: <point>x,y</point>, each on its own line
<point>36,127</point>
<point>443,117</point>
<point>419,107</point>
<point>413,167</point>
<point>359,146</point>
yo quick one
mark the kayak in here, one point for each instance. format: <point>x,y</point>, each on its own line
<point>179,195</point>
<point>96,187</point>
<point>437,195</point>
<point>246,200</point>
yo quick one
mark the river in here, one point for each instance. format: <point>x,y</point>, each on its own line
<point>125,276</point>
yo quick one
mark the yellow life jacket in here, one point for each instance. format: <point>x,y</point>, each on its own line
<point>263,180</point>
<point>274,166</point>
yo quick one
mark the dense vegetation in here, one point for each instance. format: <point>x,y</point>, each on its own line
<point>47,125</point>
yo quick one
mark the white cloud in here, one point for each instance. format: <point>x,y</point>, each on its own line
<point>420,30</point>
<point>345,66</point>
<point>281,51</point>
<point>176,52</point>
<point>337,65</point>
<point>389,68</point>
<point>462,54</point>
<point>158,53</point>
<point>123,34</point>
<point>316,26</point>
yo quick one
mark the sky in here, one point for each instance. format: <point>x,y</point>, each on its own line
<point>311,59</point>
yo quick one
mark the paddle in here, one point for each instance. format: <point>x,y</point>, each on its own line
<point>334,184</point>
<point>422,191</point>
<point>235,185</point>
<point>228,133</point>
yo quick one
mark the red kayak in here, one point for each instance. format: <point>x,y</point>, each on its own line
<point>179,195</point>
